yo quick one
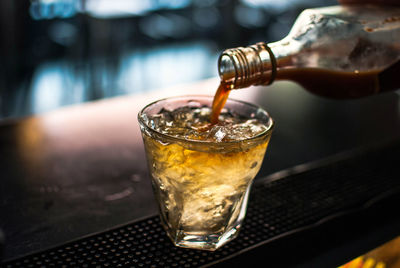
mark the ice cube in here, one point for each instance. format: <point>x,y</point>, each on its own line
<point>219,135</point>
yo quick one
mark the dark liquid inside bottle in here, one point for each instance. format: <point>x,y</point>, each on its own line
<point>389,79</point>
<point>341,84</point>
<point>333,84</point>
<point>326,83</point>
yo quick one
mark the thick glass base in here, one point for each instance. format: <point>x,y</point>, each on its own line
<point>204,241</point>
<point>213,234</point>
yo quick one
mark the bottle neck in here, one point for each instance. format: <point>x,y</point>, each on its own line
<point>246,66</point>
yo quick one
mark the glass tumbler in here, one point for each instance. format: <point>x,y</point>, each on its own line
<point>202,187</point>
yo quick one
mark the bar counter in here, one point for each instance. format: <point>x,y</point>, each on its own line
<point>80,171</point>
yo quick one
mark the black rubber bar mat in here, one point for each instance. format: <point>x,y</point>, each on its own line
<point>279,205</point>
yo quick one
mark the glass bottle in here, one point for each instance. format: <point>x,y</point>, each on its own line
<point>337,52</point>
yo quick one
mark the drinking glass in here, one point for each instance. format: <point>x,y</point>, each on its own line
<point>201,186</point>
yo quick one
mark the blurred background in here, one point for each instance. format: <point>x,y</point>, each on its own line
<point>62,52</point>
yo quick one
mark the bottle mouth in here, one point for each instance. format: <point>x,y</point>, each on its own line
<point>226,66</point>
<point>246,66</point>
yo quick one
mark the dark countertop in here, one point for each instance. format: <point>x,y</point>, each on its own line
<point>81,169</point>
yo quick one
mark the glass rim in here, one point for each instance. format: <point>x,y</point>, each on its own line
<point>265,133</point>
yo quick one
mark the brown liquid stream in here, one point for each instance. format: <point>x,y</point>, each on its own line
<point>219,101</point>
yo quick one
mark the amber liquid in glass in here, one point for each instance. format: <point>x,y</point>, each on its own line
<point>200,178</point>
